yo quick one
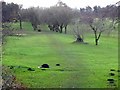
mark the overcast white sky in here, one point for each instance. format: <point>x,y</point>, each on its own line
<point>71,3</point>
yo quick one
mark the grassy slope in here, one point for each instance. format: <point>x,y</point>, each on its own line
<point>81,65</point>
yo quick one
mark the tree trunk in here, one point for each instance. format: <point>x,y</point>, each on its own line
<point>20,21</point>
<point>50,27</point>
<point>20,24</point>
<point>65,29</point>
<point>61,28</point>
<point>53,27</point>
<point>57,28</point>
<point>34,26</point>
<point>96,38</point>
<point>79,39</point>
<point>96,41</point>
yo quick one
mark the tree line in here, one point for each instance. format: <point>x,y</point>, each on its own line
<point>58,17</point>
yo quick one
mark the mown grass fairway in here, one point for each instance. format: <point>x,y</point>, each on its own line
<point>81,66</point>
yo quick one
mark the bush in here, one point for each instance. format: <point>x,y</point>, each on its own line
<point>9,80</point>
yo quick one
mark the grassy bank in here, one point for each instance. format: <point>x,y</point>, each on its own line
<point>81,66</point>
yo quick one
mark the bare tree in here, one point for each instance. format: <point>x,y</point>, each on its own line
<point>20,20</point>
<point>78,31</point>
<point>98,27</point>
<point>31,15</point>
<point>78,34</point>
<point>99,19</point>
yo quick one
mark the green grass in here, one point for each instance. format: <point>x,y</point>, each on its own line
<point>82,66</point>
<point>26,26</point>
